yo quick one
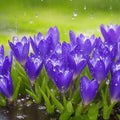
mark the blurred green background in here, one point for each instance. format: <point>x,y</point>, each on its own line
<point>28,17</point>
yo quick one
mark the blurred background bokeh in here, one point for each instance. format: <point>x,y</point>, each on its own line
<point>28,17</point>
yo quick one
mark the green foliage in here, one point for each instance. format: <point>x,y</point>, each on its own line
<point>49,106</point>
<point>93,111</point>
<point>107,107</point>
<point>2,101</point>
<point>55,101</point>
<point>16,91</point>
<point>68,111</point>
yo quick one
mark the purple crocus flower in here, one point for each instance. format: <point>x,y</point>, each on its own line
<point>43,46</point>
<point>115,87</point>
<point>111,35</point>
<point>6,86</point>
<point>87,44</point>
<point>33,67</point>
<point>20,49</point>
<point>88,89</point>
<point>5,62</point>
<point>100,62</point>
<point>58,68</point>
<point>115,67</point>
<point>79,61</point>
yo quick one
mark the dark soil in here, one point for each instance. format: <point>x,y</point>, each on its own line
<point>26,110</point>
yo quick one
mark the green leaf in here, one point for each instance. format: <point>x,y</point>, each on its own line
<point>16,92</point>
<point>93,111</point>
<point>44,84</point>
<point>80,117</point>
<point>64,101</point>
<point>2,101</point>
<point>50,108</point>
<point>104,100</point>
<point>37,91</point>
<point>70,107</point>
<point>110,109</point>
<point>76,96</point>
<point>66,114</point>
<point>78,109</point>
<point>118,116</point>
<point>33,95</point>
<point>106,108</point>
<point>55,101</point>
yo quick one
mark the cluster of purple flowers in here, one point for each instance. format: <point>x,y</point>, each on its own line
<point>6,85</point>
<point>65,61</point>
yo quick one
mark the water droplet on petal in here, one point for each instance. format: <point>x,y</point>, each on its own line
<point>70,0</point>
<point>116,84</point>
<point>42,0</point>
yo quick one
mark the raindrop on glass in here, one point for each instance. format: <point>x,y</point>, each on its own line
<point>85,7</point>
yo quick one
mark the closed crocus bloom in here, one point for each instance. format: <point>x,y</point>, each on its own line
<point>79,61</point>
<point>115,67</point>
<point>111,33</point>
<point>115,87</point>
<point>86,43</point>
<point>1,50</point>
<point>100,63</point>
<point>5,61</point>
<point>54,33</point>
<point>88,89</point>
<point>43,46</point>
<point>6,86</point>
<point>20,49</point>
<point>62,78</point>
<point>58,68</point>
<point>33,67</point>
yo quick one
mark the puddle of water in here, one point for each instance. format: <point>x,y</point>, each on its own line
<point>26,110</point>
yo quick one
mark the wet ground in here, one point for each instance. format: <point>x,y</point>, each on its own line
<point>26,110</point>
